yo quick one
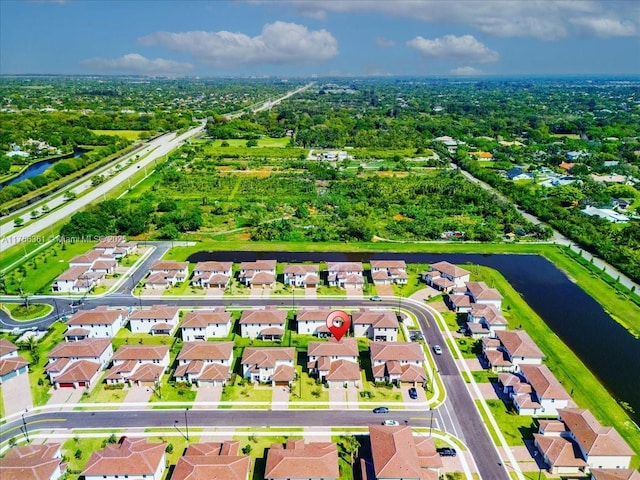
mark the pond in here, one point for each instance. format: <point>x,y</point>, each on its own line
<point>603,345</point>
<point>38,168</point>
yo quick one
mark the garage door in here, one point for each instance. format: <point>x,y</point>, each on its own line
<point>282,384</point>
<point>82,384</point>
<point>66,385</point>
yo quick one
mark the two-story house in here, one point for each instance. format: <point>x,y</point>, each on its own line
<point>267,324</point>
<point>306,276</point>
<point>132,458</point>
<point>386,272</point>
<point>33,462</point>
<point>269,364</point>
<point>11,364</point>
<point>476,293</point>
<point>157,320</point>
<point>313,322</point>
<point>485,320</point>
<point>298,460</point>
<point>398,362</point>
<point>377,325</point>
<point>446,277</point>
<point>101,322</point>
<point>138,364</point>
<point>345,275</point>
<point>261,273</point>
<point>515,348</point>
<point>203,324</point>
<point>167,273</point>
<point>78,364</point>
<point>212,274</point>
<point>334,362</point>
<point>213,460</point>
<point>204,362</point>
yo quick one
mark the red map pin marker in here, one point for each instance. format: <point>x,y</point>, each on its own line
<point>338,323</point>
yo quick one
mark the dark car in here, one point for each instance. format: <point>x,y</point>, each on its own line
<point>413,393</point>
<point>380,410</point>
<point>446,452</point>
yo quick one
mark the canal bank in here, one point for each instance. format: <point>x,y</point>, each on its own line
<point>604,346</point>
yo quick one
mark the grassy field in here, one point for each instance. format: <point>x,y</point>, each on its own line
<point>515,428</point>
<point>247,392</point>
<point>35,310</point>
<point>128,134</point>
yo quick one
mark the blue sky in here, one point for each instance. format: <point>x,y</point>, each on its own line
<point>320,37</point>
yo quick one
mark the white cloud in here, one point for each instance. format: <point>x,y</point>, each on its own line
<point>385,42</point>
<point>542,19</point>
<point>468,71</point>
<point>451,47</point>
<point>278,43</point>
<point>604,27</point>
<point>137,64</point>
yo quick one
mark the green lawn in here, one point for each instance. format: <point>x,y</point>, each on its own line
<point>177,392</point>
<point>246,393</point>
<point>306,386</point>
<point>83,447</point>
<point>515,428</point>
<point>21,313</point>
<point>258,453</point>
<point>128,134</point>
<point>102,394</point>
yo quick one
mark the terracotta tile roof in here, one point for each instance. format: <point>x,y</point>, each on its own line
<point>147,372</point>
<point>490,343</point>
<point>509,379</point>
<point>263,278</point>
<point>96,316</point>
<point>158,278</point>
<point>214,371</point>
<point>388,264</point>
<point>347,346</point>
<point>380,275</point>
<point>141,352</point>
<point>443,282</point>
<point>489,312</point>
<point>384,351</point>
<point>228,447</point>
<point>6,347</point>
<point>57,365</point>
<point>200,350</point>
<point>31,462</point>
<point>209,467</point>
<point>169,265</point>
<point>560,451</point>
<point>394,452</point>
<point>301,269</point>
<point>204,318</point>
<point>218,279</point>
<point>259,265</point>
<point>88,348</point>
<point>130,456</point>
<point>266,357</point>
<point>519,344</point>
<point>212,266</point>
<point>555,426</point>
<point>615,474</point>
<point>80,371</point>
<point>543,382</point>
<point>343,370</point>
<point>526,401</point>
<point>345,267</point>
<point>497,358</point>
<point>104,264</point>
<point>301,460</point>
<point>283,373</point>
<point>12,364</point>
<point>268,316</point>
<point>376,318</point>
<point>89,257</point>
<point>72,273</point>
<point>449,269</point>
<point>313,315</point>
<point>157,312</point>
<point>481,291</point>
<point>427,453</point>
<point>271,331</point>
<point>122,370</point>
<point>594,439</point>
<point>77,332</point>
<point>413,373</point>
<point>460,300</point>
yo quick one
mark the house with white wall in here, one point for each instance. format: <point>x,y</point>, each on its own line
<point>398,362</point>
<point>11,364</point>
<point>78,364</point>
<point>138,364</point>
<point>33,462</point>
<point>334,362</point>
<point>205,323</point>
<point>510,349</point>
<point>167,273</point>
<point>204,363</point>
<point>485,320</point>
<point>306,276</point>
<point>132,458</point>
<point>273,365</point>
<point>345,275</point>
<point>377,325</point>
<point>261,273</point>
<point>386,272</point>
<point>212,274</point>
<point>445,276</point>
<point>157,320</point>
<point>313,322</point>
<point>100,322</point>
<point>265,324</point>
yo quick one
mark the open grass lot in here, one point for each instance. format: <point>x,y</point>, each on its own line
<point>242,391</point>
<point>583,386</point>
<point>259,446</point>
<point>172,392</point>
<point>269,148</point>
<point>515,428</point>
<point>305,389</point>
<point>102,394</point>
<point>128,134</point>
<point>77,452</point>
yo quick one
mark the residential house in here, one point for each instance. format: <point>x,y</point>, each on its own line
<point>510,350</point>
<point>203,324</point>
<point>212,460</point>
<point>267,324</point>
<point>116,245</point>
<point>78,364</point>
<point>212,274</point>
<point>306,276</point>
<point>615,474</point>
<point>476,292</point>
<point>535,391</point>
<point>165,273</point>
<point>485,320</point>
<point>133,458</point>
<point>204,363</point>
<point>445,276</point>
<point>518,174</point>
<point>157,320</point>
<point>396,453</point>
<point>101,322</point>
<point>77,280</point>
<point>138,364</point>
<point>398,362</point>
<point>269,364</point>
<point>335,362</point>
<point>33,462</point>
<point>378,325</point>
<point>345,275</point>
<point>11,364</point>
<point>606,213</point>
<point>577,443</point>
<point>482,156</point>
<point>95,260</point>
<point>298,460</point>
<point>386,272</point>
<point>261,273</point>
<point>313,322</point>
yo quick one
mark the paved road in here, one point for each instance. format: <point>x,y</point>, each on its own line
<point>557,236</point>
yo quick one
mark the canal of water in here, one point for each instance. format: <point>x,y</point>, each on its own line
<point>604,346</point>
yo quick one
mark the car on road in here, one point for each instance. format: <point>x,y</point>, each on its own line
<point>446,452</point>
<point>437,349</point>
<point>413,393</point>
<point>380,410</point>
<point>390,423</point>
<point>375,298</point>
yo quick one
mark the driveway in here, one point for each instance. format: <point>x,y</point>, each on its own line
<point>65,395</point>
<point>310,292</point>
<point>385,290</point>
<point>207,393</point>
<point>422,396</point>
<point>280,398</point>
<point>259,292</point>
<point>337,396</point>
<point>137,394</point>
<point>16,388</point>
<point>214,293</point>
<point>354,293</point>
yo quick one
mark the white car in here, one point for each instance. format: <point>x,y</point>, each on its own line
<point>437,349</point>
<point>390,423</point>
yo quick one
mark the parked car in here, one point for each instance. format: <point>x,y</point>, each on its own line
<point>437,349</point>
<point>375,298</point>
<point>380,410</point>
<point>413,393</point>
<point>446,452</point>
<point>390,423</point>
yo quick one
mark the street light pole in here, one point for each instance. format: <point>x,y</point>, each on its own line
<point>24,427</point>
<point>431,422</point>
<point>186,421</point>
